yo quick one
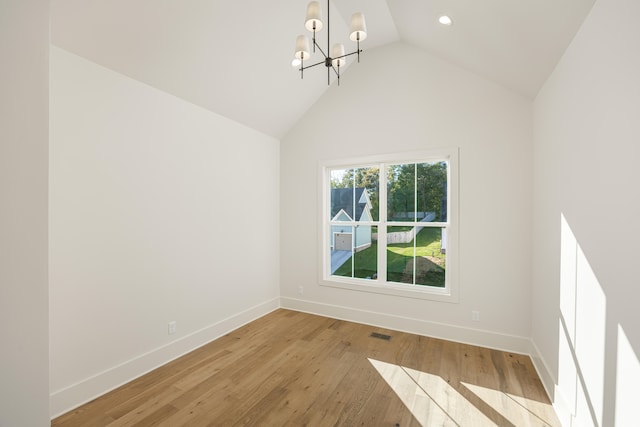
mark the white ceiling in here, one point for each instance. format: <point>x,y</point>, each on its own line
<point>234,57</point>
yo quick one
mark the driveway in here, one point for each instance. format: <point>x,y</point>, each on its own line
<point>338,258</point>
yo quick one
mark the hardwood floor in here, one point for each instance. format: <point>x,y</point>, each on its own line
<point>295,369</point>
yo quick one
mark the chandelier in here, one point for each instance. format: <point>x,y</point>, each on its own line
<point>336,58</point>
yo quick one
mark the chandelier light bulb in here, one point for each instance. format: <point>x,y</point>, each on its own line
<point>313,21</point>
<point>358,28</point>
<point>336,52</point>
<point>302,48</point>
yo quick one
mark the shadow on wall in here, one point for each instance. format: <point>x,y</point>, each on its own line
<point>585,366</point>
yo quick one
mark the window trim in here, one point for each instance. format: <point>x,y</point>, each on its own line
<point>452,289</point>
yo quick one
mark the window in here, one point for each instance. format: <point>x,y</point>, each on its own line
<point>389,224</point>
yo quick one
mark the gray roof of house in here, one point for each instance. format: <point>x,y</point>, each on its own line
<point>342,199</point>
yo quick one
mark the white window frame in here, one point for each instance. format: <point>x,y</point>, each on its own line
<point>450,293</point>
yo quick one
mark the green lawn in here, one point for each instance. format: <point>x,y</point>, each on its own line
<point>429,271</point>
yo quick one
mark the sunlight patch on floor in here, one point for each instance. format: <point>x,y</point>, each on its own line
<point>518,410</point>
<point>431,400</point>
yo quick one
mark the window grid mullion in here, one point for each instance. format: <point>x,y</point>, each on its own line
<point>415,218</point>
<point>353,228</point>
<point>382,228</point>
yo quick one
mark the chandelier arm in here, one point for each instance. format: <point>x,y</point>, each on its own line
<point>319,48</point>
<point>348,54</point>
<point>314,38</point>
<point>312,65</point>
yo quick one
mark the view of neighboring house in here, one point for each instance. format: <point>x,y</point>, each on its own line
<point>343,208</point>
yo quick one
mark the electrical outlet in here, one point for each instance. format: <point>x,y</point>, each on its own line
<point>300,290</point>
<point>475,315</point>
<point>172,328</point>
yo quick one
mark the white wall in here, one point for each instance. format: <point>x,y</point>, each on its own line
<point>586,322</point>
<point>402,99</point>
<point>159,211</point>
<point>24,335</point>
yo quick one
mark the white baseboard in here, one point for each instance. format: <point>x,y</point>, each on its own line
<point>64,400</point>
<point>543,371</point>
<point>498,341</point>
<point>562,408</point>
<point>560,404</point>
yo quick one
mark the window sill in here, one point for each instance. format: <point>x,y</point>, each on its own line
<point>400,290</point>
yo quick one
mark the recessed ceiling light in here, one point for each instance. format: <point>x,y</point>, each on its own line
<point>445,20</point>
<point>295,62</point>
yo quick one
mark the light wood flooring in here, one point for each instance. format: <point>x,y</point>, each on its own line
<point>295,369</point>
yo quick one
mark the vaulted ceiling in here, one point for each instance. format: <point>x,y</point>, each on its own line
<point>234,57</point>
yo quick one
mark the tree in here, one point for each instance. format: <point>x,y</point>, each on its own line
<point>400,191</point>
<point>411,187</point>
<point>432,188</point>
<point>417,187</point>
